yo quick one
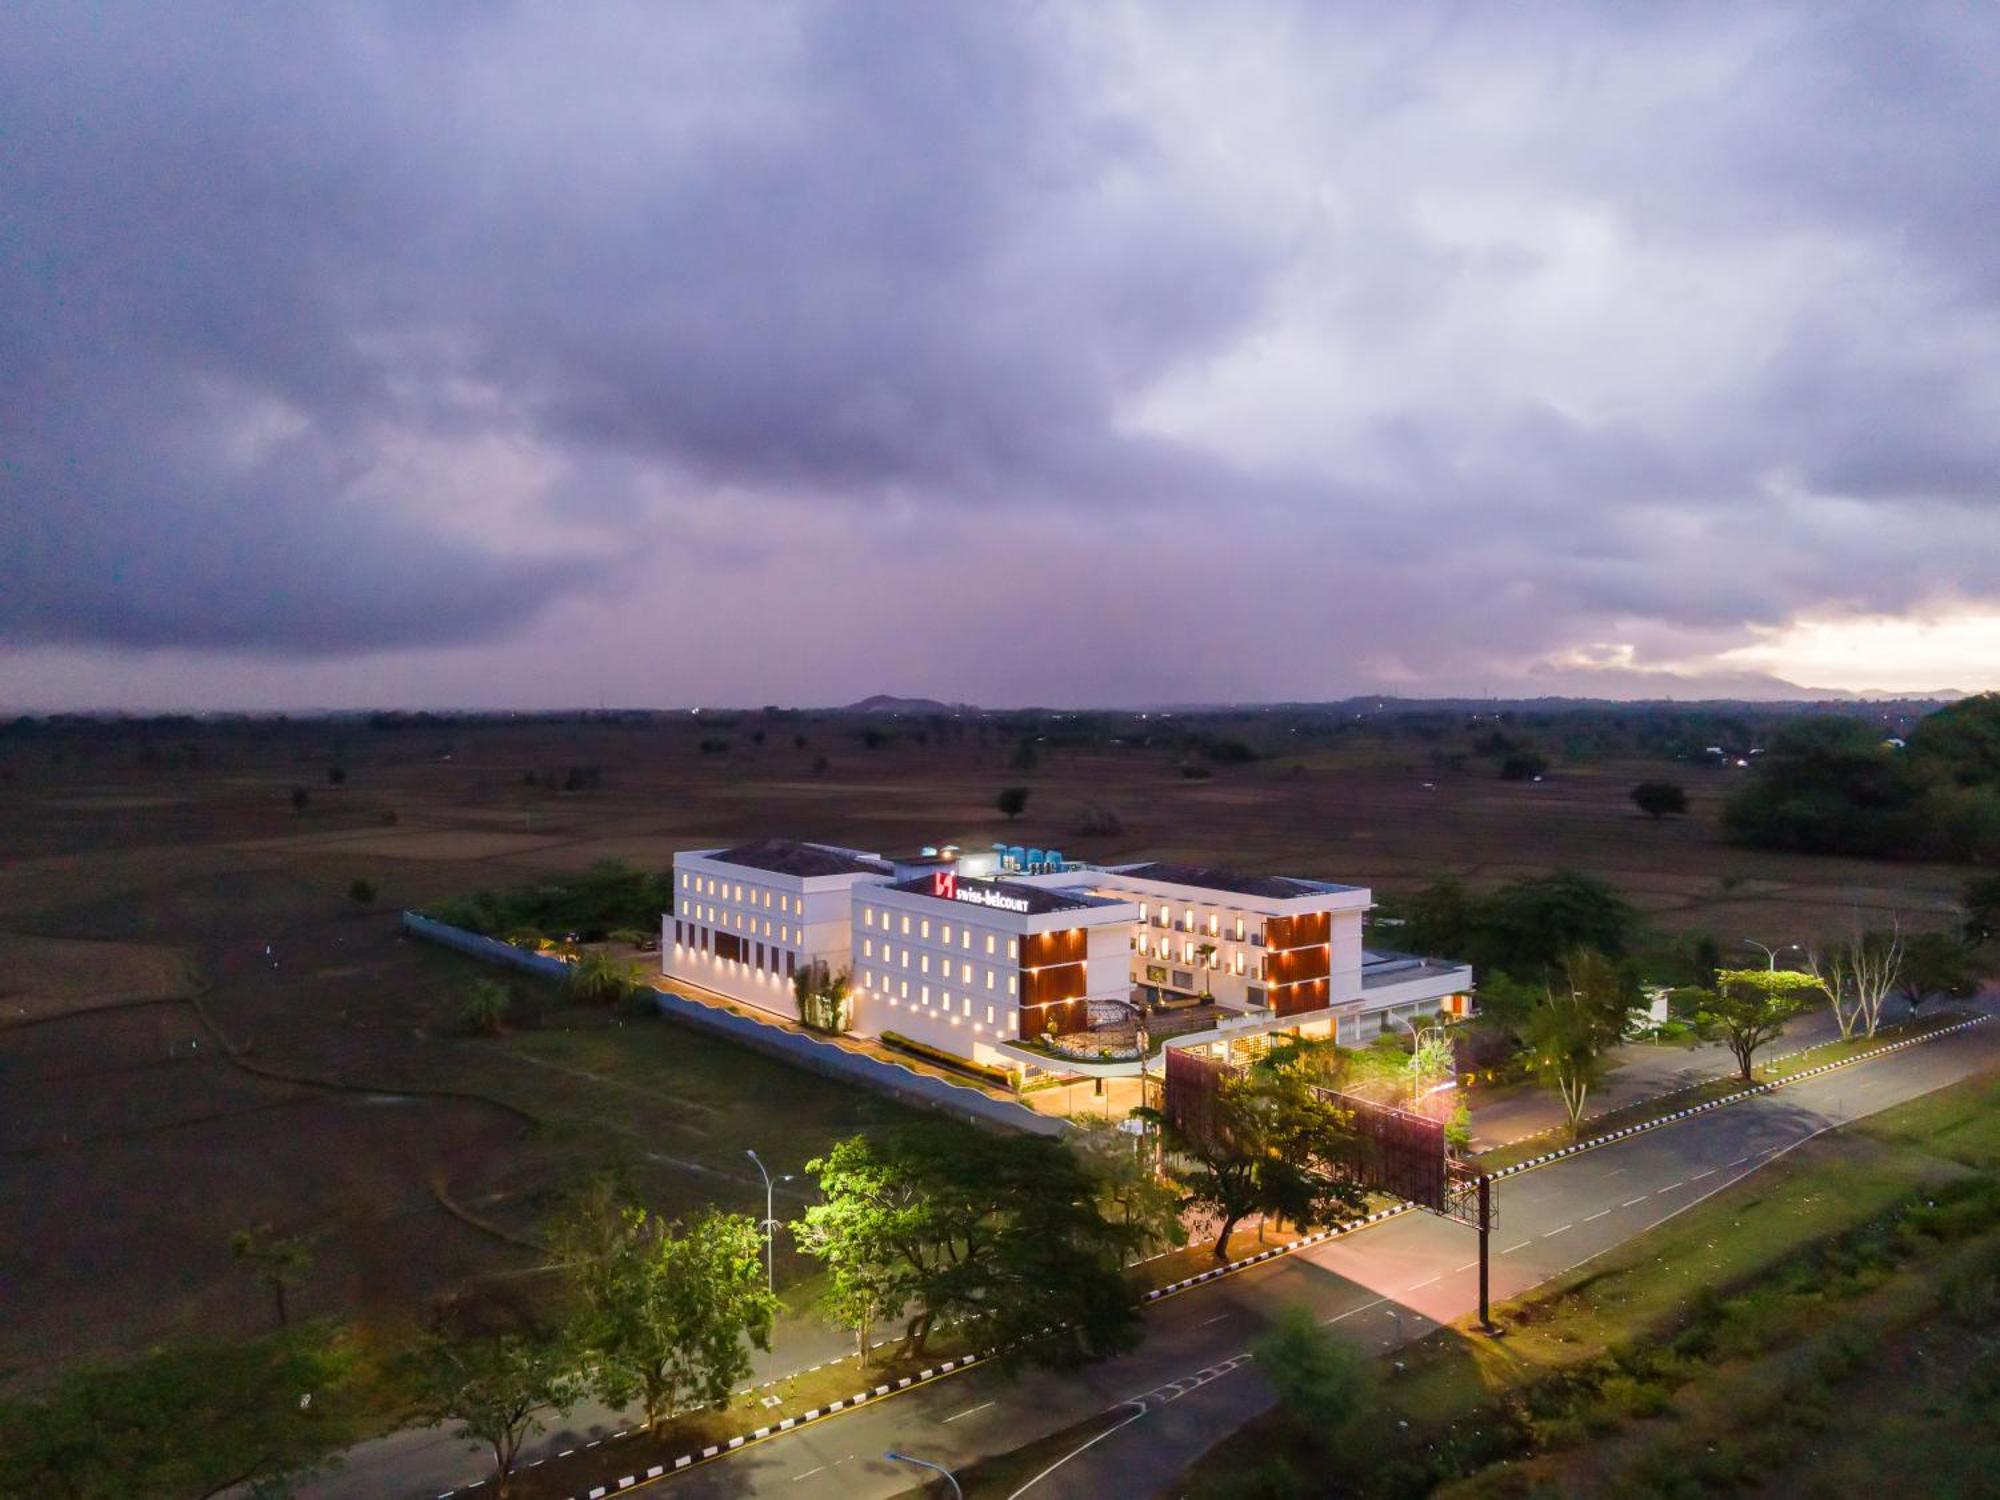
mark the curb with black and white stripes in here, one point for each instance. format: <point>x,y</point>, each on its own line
<point>949,1366</point>
<point>1736,1098</point>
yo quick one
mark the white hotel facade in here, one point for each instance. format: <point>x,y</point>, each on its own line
<point>978,954</point>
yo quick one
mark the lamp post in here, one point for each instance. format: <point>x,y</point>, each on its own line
<point>1769,952</point>
<point>923,1463</point>
<point>770,1223</point>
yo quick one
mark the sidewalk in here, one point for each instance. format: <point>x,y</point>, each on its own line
<point>1644,1070</point>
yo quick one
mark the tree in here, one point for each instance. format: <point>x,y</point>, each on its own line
<point>336,776</point>
<point>194,1419</point>
<point>1858,976</point>
<point>1936,963</point>
<point>1129,1192</point>
<point>1024,756</point>
<point>822,997</point>
<point>1981,901</point>
<point>1527,927</point>
<point>1751,1006</point>
<point>669,1312</point>
<point>597,979</point>
<point>278,1261</point>
<point>495,1386</point>
<point>1322,1382</point>
<point>1274,1145</point>
<point>1523,765</point>
<point>1205,952</point>
<point>1012,801</point>
<point>483,1006</point>
<point>361,892</point>
<point>1826,786</point>
<point>300,797</point>
<point>1657,799</point>
<point>1568,1033</point>
<point>1002,1235</point>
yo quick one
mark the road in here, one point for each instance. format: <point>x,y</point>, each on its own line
<point>1386,1284</point>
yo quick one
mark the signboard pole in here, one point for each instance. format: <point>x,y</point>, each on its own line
<point>1486,1323</point>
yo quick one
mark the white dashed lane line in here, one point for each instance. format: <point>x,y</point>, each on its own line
<point>1699,1175</point>
<point>1553,1232</point>
<point>1630,1201</point>
<point>1668,1188</point>
<point>1598,1215</point>
<point>808,1473</point>
<point>969,1411</point>
<point>1512,1248</point>
<point>1419,1286</point>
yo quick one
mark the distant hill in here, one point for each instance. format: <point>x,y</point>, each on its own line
<point>886,703</point>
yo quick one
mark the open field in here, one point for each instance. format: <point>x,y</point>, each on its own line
<point>323,1087</point>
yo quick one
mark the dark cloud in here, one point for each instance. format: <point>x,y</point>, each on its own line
<point>1456,344</point>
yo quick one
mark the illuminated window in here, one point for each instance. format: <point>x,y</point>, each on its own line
<point>968,1006</point>
<point>924,929</point>
<point>1239,929</point>
<point>989,942</point>
<point>965,973</point>
<point>906,924</point>
<point>965,937</point>
<point>1214,925</point>
<point>927,963</point>
<point>989,979</point>
<point>906,988</point>
<point>944,933</point>
<point>926,994</point>
<point>867,916</point>
<point>868,947</point>
<point>1010,984</point>
<point>1013,947</point>
<point>1142,911</point>
<point>989,1015</point>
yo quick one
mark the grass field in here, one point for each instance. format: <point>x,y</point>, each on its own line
<point>134,1139</point>
<point>1792,1334</point>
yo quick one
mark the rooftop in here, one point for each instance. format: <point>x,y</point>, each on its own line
<point>1379,967</point>
<point>791,857</point>
<point>1038,899</point>
<point>1208,877</point>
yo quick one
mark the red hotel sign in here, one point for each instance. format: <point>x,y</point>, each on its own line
<point>944,885</point>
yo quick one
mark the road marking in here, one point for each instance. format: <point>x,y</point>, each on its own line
<point>1598,1215</point>
<point>808,1473</point>
<point>1668,1188</point>
<point>1338,1317</point>
<point>1466,1267</point>
<point>1630,1201</point>
<point>1739,1161</point>
<point>1512,1248</point>
<point>1554,1232</point>
<point>1699,1175</point>
<point>1138,1413</point>
<point>1216,1319</point>
<point>1615,1171</point>
<point>1419,1286</point>
<point>970,1410</point>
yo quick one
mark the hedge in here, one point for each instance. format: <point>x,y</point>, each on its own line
<point>999,1077</point>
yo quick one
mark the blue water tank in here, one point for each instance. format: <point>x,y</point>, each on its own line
<point>1055,860</point>
<point>1034,861</point>
<point>1015,855</point>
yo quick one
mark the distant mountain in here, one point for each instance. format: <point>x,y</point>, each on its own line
<point>887,703</point>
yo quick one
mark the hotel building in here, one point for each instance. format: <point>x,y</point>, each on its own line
<point>984,954</point>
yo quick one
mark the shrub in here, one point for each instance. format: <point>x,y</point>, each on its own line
<point>361,892</point>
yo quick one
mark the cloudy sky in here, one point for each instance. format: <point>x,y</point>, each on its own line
<point>537,355</point>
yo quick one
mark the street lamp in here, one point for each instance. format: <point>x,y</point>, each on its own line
<point>1770,952</point>
<point>770,1224</point>
<point>923,1463</point>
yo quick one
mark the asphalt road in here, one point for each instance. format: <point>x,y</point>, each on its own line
<point>1190,1383</point>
